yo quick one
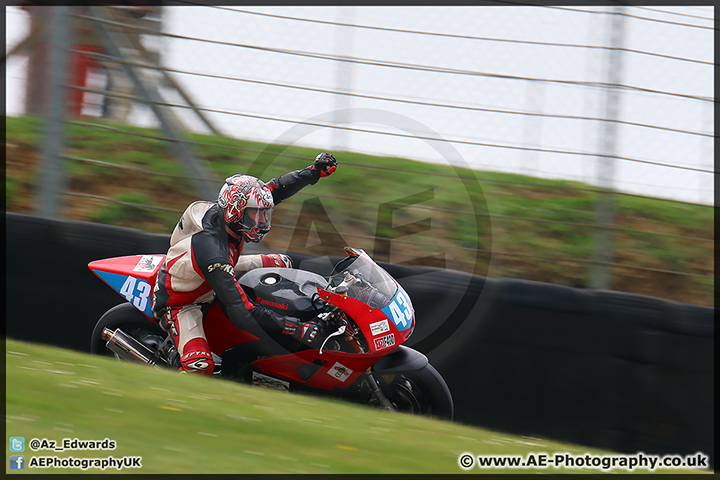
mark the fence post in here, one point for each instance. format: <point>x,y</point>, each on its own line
<point>203,176</point>
<point>600,277</point>
<point>344,42</point>
<point>50,180</point>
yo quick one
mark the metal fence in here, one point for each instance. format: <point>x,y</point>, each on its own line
<point>618,98</point>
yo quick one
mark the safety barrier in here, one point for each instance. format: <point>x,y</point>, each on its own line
<point>605,369</point>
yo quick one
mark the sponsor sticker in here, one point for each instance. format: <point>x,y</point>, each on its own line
<point>379,327</point>
<point>385,342</point>
<point>340,371</point>
<point>147,263</point>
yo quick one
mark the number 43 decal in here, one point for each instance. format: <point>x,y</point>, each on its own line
<point>400,311</point>
<point>136,292</point>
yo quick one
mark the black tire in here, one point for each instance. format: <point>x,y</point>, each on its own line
<point>131,321</point>
<point>420,392</point>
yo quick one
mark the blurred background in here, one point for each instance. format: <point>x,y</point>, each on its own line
<point>522,144</point>
<point>569,145</point>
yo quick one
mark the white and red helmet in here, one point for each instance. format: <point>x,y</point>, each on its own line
<point>246,205</point>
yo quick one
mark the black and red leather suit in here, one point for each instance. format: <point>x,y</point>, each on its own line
<point>201,268</point>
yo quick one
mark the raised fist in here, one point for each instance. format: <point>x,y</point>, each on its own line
<point>325,163</point>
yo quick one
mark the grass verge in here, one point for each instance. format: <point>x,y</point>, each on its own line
<point>185,424</point>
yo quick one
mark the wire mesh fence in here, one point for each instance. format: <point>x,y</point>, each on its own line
<point>502,109</point>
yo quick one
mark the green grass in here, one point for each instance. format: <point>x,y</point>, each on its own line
<point>119,212</point>
<point>186,424</point>
<point>445,218</point>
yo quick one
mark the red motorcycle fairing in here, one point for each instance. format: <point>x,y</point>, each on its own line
<point>129,275</point>
<point>132,276</point>
<point>380,332</point>
<point>328,371</point>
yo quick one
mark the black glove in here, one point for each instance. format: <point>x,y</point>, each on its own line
<point>309,333</point>
<point>324,163</point>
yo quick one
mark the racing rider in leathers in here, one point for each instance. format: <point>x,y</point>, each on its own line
<point>204,260</point>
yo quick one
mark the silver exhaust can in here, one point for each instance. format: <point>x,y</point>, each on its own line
<point>127,348</point>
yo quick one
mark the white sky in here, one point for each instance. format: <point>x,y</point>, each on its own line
<point>537,24</point>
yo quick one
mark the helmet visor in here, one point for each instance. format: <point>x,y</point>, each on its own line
<point>257,218</point>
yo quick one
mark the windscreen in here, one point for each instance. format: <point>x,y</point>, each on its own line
<point>364,280</point>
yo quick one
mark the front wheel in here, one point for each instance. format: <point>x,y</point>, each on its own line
<point>420,392</point>
<point>131,321</point>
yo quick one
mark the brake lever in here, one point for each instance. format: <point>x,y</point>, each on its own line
<point>339,331</point>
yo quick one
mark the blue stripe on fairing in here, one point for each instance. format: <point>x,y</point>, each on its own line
<point>398,309</point>
<point>117,281</point>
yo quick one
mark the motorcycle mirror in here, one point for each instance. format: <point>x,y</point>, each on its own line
<point>339,331</point>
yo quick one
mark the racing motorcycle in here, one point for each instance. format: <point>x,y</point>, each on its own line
<point>366,316</point>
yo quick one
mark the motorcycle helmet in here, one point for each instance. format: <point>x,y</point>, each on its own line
<point>246,206</point>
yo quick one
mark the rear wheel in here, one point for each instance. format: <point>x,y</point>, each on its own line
<point>131,321</point>
<point>420,392</point>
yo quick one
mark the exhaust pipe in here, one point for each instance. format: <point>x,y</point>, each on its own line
<point>128,348</point>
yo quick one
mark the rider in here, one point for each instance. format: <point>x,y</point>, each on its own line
<point>204,259</point>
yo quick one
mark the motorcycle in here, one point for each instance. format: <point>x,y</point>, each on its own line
<point>366,316</point>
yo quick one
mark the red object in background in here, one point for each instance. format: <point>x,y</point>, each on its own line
<point>80,66</point>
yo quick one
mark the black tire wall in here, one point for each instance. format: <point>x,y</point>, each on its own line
<point>605,369</point>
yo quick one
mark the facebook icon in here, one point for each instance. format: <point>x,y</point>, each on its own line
<point>17,462</point>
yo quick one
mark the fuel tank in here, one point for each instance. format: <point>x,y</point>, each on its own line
<point>285,290</point>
